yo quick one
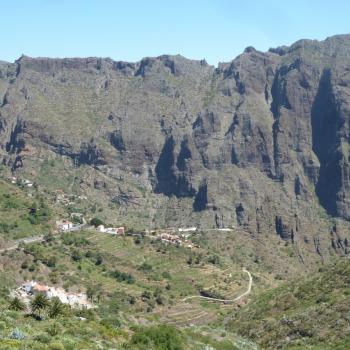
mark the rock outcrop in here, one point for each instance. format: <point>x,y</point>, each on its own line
<point>260,143</point>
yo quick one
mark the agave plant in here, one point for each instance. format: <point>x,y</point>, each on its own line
<point>17,334</point>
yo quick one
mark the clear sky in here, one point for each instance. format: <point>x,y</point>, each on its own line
<point>217,30</point>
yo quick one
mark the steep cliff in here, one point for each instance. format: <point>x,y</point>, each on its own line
<point>260,143</point>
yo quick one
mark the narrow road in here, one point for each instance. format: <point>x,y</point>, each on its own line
<point>226,301</point>
<point>40,238</point>
<point>25,240</point>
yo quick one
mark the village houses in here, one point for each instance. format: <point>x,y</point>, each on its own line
<point>111,230</point>
<point>64,225</point>
<point>32,288</point>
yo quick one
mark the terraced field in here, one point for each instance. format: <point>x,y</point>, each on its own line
<point>190,314</point>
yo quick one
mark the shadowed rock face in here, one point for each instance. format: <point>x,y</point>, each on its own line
<point>251,143</point>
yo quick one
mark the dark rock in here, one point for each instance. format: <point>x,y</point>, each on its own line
<point>201,200</point>
<point>117,141</point>
<point>89,154</point>
<point>269,133</point>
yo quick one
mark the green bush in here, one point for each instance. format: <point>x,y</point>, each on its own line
<point>112,322</point>
<point>163,337</point>
<point>123,277</point>
<point>16,304</point>
<point>96,222</point>
<point>76,255</point>
<point>214,259</point>
<point>74,239</point>
<point>166,275</point>
<point>4,227</point>
<point>38,215</point>
<point>145,267</point>
<point>43,338</point>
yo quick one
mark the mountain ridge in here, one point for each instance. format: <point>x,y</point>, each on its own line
<point>281,49</point>
<point>257,143</point>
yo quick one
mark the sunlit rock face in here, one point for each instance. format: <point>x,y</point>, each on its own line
<point>251,143</point>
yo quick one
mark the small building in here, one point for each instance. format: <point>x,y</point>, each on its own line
<point>111,230</point>
<point>64,225</point>
<point>28,287</point>
<point>101,228</point>
<point>59,293</point>
<point>188,229</point>
<point>13,180</point>
<point>77,300</point>
<point>40,289</point>
<point>170,238</point>
<point>120,230</point>
<point>27,183</point>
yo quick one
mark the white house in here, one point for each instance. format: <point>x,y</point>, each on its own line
<point>111,230</point>
<point>28,289</point>
<point>188,229</point>
<point>101,228</point>
<point>64,225</point>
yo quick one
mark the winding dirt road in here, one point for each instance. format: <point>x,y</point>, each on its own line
<point>226,301</point>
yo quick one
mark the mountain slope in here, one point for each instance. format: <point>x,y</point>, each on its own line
<point>260,143</point>
<point>307,313</point>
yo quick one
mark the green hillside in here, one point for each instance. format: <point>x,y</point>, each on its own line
<point>24,212</point>
<point>311,312</point>
<point>138,284</point>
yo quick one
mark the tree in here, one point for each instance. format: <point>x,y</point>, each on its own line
<point>190,260</point>
<point>94,292</point>
<point>159,299</point>
<point>146,295</point>
<point>96,222</point>
<point>39,304</point>
<point>146,267</point>
<point>76,256</point>
<point>90,292</point>
<point>16,304</point>
<point>99,260</point>
<point>214,259</point>
<point>56,308</point>
<point>123,276</point>
<point>33,208</point>
<point>49,237</point>
<point>50,261</point>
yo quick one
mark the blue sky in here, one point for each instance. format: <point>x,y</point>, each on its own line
<point>217,30</point>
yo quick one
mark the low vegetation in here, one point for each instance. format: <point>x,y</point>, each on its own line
<point>137,284</point>
<point>311,312</point>
<point>23,212</point>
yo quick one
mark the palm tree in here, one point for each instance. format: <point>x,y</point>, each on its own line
<point>16,304</point>
<point>38,304</point>
<point>56,308</point>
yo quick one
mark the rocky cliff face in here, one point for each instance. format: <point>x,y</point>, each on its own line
<point>261,143</point>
